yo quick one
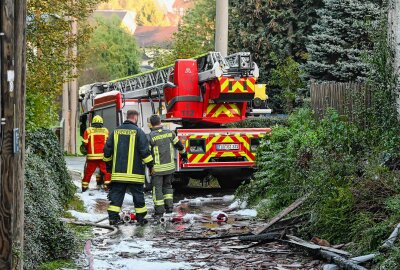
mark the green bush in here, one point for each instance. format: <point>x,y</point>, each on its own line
<point>352,196</point>
<point>48,189</point>
<point>260,122</point>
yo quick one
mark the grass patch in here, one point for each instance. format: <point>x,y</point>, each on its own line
<point>76,204</point>
<point>57,264</point>
<point>81,232</point>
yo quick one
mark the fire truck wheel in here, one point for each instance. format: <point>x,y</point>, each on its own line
<point>257,102</point>
<point>229,182</point>
<point>181,183</point>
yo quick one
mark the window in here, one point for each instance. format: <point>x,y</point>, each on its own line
<point>109,116</point>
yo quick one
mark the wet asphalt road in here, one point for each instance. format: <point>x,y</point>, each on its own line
<point>160,246</point>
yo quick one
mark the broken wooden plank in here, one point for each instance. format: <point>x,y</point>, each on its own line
<point>282,214</point>
<point>300,242</point>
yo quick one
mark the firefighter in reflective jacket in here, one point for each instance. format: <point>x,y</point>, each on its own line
<point>163,143</point>
<point>126,154</point>
<point>94,139</point>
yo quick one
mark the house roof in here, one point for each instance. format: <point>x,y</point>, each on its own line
<point>183,4</point>
<point>173,18</point>
<point>147,36</point>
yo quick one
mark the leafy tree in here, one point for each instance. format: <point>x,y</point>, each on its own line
<point>195,35</point>
<point>288,77</point>
<point>148,12</point>
<point>340,38</point>
<point>111,53</point>
<point>48,65</point>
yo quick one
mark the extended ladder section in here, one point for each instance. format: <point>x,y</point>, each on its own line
<point>210,66</point>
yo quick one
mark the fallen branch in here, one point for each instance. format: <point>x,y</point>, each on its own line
<point>282,214</point>
<point>300,242</point>
<point>332,255</point>
<point>392,238</point>
<point>362,259</point>
<point>340,261</point>
<point>212,237</point>
<point>266,237</point>
<point>246,246</point>
<point>356,260</point>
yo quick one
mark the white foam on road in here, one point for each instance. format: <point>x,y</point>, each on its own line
<point>86,216</point>
<point>135,264</point>
<point>246,212</point>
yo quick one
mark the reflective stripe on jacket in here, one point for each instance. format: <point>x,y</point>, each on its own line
<point>94,140</point>
<point>163,142</point>
<point>128,149</point>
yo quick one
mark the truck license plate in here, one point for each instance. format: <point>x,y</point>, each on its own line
<point>224,147</point>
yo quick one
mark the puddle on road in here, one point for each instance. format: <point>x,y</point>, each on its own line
<point>101,206</point>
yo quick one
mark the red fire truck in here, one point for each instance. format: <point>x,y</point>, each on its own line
<point>195,97</point>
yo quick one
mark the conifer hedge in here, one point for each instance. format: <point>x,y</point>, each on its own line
<point>48,189</point>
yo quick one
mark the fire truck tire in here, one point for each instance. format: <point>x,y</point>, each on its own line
<point>229,181</point>
<point>182,183</point>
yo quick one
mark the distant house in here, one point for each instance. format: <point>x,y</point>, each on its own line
<point>154,36</point>
<point>181,6</point>
<point>128,18</point>
<point>167,4</point>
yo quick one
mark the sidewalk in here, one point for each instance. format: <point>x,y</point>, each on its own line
<point>75,164</point>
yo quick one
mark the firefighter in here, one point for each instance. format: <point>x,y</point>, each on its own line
<point>163,142</point>
<point>126,154</point>
<point>94,140</point>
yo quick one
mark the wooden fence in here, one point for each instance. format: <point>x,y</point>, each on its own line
<point>349,99</point>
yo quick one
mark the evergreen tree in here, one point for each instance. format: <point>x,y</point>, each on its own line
<point>340,38</point>
<point>271,26</point>
<point>275,32</point>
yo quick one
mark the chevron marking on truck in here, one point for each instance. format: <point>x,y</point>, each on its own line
<point>211,152</point>
<point>227,110</point>
<point>243,85</point>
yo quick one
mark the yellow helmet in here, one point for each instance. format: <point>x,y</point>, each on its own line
<point>97,120</point>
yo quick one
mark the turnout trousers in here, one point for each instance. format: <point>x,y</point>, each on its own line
<point>90,168</point>
<point>162,193</point>
<point>116,196</point>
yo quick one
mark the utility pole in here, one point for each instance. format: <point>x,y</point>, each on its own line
<point>221,27</point>
<point>12,139</point>
<point>70,95</point>
<point>74,88</point>
<point>394,38</point>
<point>65,117</point>
<point>394,33</point>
